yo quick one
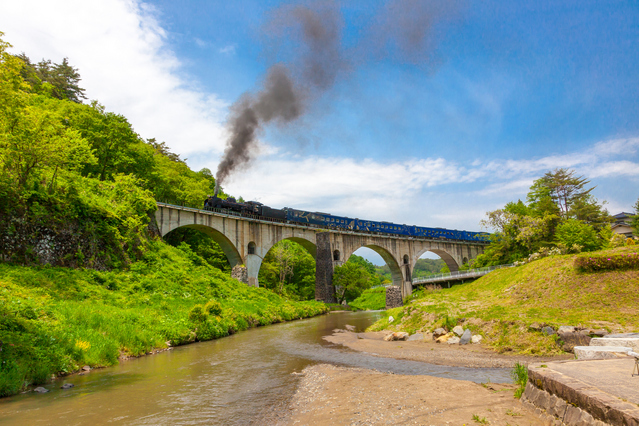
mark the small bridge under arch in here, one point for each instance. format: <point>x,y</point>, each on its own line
<point>245,241</point>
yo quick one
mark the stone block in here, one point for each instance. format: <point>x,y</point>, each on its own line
<point>628,342</point>
<point>600,352</point>
<point>240,273</point>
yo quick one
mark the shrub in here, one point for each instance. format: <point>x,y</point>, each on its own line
<point>197,314</point>
<point>213,308</point>
<point>609,262</point>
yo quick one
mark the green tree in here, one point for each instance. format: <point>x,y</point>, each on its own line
<point>635,219</point>
<point>289,269</point>
<point>350,280</point>
<point>576,236</point>
<point>563,187</point>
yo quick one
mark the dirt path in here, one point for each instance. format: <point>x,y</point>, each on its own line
<point>431,352</point>
<point>330,395</point>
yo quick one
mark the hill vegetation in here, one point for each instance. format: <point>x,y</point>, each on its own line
<point>83,278</point>
<point>507,306</point>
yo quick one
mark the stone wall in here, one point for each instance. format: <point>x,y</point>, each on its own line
<point>393,297</point>
<point>240,273</point>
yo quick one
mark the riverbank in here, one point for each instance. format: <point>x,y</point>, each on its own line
<point>426,350</point>
<point>330,395</point>
<point>509,307</point>
<point>55,320</point>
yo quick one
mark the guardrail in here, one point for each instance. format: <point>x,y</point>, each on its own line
<point>460,275</point>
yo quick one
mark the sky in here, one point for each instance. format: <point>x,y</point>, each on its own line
<point>436,112</point>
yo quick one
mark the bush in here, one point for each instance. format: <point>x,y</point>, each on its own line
<point>609,262</point>
<point>197,314</point>
<point>213,308</point>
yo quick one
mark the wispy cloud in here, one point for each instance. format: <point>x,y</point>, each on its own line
<point>121,52</point>
<point>200,43</point>
<point>228,50</point>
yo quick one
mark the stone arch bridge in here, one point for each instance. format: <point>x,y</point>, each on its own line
<point>245,241</point>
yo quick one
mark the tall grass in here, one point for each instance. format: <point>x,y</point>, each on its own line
<point>371,299</point>
<point>55,320</point>
<point>519,375</point>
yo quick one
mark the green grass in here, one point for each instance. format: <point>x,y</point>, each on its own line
<point>371,299</point>
<point>503,304</point>
<point>55,320</point>
<point>480,420</point>
<point>520,377</point>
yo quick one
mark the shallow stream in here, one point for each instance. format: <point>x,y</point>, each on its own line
<point>236,380</point>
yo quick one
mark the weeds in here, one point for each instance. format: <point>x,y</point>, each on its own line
<point>480,420</point>
<point>520,377</point>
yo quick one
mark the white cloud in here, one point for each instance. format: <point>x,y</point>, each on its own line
<point>120,50</point>
<point>228,50</point>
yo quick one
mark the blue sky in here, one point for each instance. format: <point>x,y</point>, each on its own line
<point>504,92</point>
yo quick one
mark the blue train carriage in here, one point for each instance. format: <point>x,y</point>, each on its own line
<point>319,219</point>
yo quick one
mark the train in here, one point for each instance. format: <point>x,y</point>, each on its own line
<point>258,210</point>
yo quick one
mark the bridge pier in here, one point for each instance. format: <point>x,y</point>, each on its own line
<point>253,264</point>
<point>324,290</point>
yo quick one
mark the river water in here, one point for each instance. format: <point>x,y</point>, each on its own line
<point>232,381</point>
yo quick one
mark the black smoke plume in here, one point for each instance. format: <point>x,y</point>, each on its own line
<point>403,31</point>
<point>287,88</point>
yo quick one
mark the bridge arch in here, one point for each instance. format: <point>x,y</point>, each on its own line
<point>446,257</point>
<point>254,260</point>
<point>391,262</point>
<point>227,246</point>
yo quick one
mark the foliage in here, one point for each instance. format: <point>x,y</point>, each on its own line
<point>55,320</point>
<point>289,270</point>
<point>370,299</point>
<point>201,244</point>
<point>519,375</point>
<point>350,280</point>
<point>563,187</point>
<point>607,262</point>
<point>58,80</point>
<point>635,219</point>
<point>576,235</point>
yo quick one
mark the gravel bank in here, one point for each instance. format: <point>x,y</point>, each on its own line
<point>329,395</point>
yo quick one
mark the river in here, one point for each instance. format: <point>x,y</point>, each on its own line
<point>237,380</point>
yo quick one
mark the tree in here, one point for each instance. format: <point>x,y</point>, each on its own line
<point>350,280</point>
<point>588,210</point>
<point>58,80</point>
<point>563,187</point>
<point>635,219</point>
<point>577,236</point>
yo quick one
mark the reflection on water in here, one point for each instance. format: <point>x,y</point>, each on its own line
<point>227,381</point>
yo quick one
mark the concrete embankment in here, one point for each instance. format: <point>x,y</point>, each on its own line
<point>584,392</point>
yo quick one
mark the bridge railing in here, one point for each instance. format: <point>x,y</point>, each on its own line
<point>458,275</point>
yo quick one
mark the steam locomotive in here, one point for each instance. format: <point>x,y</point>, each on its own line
<point>325,220</point>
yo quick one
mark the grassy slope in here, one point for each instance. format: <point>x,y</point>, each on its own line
<point>55,320</point>
<point>502,304</point>
<point>371,299</point>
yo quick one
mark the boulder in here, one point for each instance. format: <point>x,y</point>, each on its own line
<point>571,337</point>
<point>453,340</point>
<point>535,326</point>
<point>349,327</point>
<point>458,330</point>
<point>476,338</point>
<point>398,335</point>
<point>438,332</point>
<point>444,338</point>
<point>416,336</point>
<point>598,333</point>
<point>391,319</point>
<point>40,389</point>
<point>465,339</point>
<point>67,386</point>
<point>86,368</point>
<point>548,331</point>
<point>566,329</point>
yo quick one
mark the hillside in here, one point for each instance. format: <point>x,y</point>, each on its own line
<point>55,320</point>
<point>505,303</point>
